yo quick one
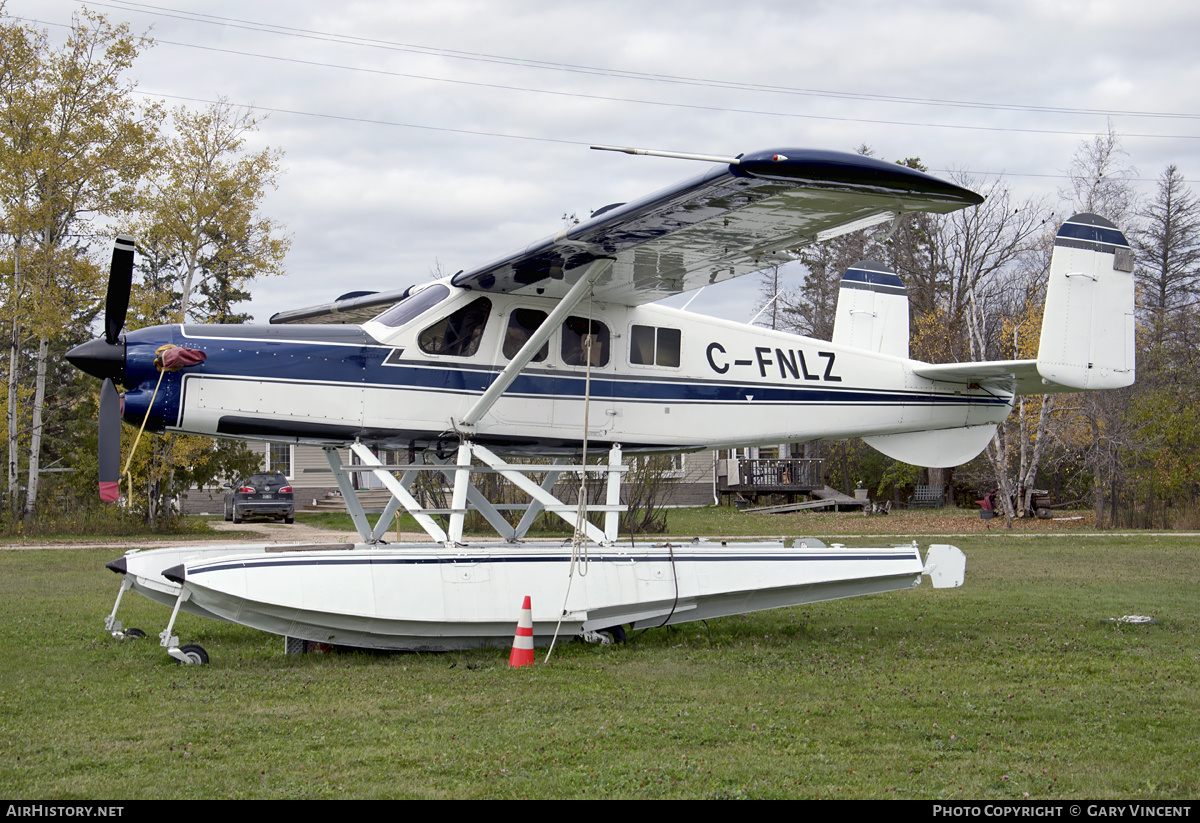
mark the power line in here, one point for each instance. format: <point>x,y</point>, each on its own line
<point>607,98</point>
<point>528,137</point>
<point>542,139</point>
<point>194,17</point>
<point>291,31</point>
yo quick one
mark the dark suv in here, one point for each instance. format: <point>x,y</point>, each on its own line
<point>261,495</point>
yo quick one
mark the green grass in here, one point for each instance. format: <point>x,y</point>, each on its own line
<point>91,524</point>
<point>1013,684</point>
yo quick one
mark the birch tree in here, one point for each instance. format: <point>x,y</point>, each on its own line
<point>74,148</point>
<point>202,215</point>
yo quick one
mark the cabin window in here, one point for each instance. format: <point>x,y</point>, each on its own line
<point>651,346</point>
<point>580,333</point>
<point>522,323</point>
<point>413,306</point>
<point>457,334</point>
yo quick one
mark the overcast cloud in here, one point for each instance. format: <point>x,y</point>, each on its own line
<point>423,134</point>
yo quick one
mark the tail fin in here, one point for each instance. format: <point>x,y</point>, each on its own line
<point>1088,324</point>
<point>872,310</point>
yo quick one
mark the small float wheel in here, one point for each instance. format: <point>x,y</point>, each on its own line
<point>134,634</point>
<point>617,633</point>
<point>195,654</point>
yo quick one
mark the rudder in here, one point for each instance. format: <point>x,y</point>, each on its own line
<point>872,310</point>
<point>1088,324</point>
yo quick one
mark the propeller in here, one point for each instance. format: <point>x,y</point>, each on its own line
<point>109,442</point>
<point>105,358</point>
<point>120,281</point>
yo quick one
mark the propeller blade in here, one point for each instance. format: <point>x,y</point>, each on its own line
<point>109,442</point>
<point>120,280</point>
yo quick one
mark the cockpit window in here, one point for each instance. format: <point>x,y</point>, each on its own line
<point>457,334</point>
<point>413,306</point>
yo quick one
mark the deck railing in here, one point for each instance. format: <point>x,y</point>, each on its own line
<point>780,474</point>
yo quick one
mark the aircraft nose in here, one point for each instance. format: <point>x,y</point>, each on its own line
<point>99,358</point>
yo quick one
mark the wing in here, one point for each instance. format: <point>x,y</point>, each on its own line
<point>732,220</point>
<point>355,307</point>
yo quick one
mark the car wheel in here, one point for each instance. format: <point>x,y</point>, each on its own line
<point>291,518</point>
<point>228,514</point>
<point>237,515</point>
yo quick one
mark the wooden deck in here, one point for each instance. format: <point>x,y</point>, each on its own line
<point>827,497</point>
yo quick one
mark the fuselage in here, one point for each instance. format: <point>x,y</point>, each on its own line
<point>659,379</point>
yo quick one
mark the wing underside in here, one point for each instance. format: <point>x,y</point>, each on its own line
<point>733,220</point>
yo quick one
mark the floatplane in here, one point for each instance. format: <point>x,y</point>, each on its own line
<point>560,350</point>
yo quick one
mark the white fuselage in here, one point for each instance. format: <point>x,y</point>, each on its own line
<point>701,383</point>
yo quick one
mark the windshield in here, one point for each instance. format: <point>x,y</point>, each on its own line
<point>413,306</point>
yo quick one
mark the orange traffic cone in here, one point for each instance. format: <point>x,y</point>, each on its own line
<point>522,650</point>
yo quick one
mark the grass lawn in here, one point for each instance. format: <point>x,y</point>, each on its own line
<point>1011,686</point>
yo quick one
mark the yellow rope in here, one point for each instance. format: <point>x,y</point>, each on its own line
<point>133,449</point>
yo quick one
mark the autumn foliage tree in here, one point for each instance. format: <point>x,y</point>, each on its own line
<point>202,239</point>
<point>78,155</point>
<point>201,225</point>
<point>73,148</point>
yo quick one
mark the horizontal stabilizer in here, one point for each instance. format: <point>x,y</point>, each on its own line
<point>872,310</point>
<point>1088,324</point>
<point>1020,376</point>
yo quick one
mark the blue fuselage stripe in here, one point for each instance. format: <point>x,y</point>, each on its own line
<point>342,364</point>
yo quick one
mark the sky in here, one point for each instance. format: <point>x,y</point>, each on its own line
<point>424,137</point>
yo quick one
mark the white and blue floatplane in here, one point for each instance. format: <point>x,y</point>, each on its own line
<point>559,349</point>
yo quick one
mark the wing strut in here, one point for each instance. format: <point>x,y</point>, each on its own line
<point>594,271</point>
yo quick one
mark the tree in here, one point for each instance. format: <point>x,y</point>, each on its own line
<point>768,289</point>
<point>646,489</point>
<point>1163,470</point>
<point>73,148</point>
<point>1168,246</point>
<point>1102,178</point>
<point>202,240</point>
<point>201,218</point>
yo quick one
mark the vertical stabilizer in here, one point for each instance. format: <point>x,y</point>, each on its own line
<point>1088,325</point>
<point>872,310</point>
